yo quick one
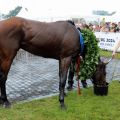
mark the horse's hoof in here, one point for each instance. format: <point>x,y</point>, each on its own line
<point>6,104</point>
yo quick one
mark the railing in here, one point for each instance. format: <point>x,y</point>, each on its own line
<point>23,55</point>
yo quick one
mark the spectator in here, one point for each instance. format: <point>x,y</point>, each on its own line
<point>118,27</point>
<point>113,27</point>
<point>91,27</point>
<point>96,28</point>
<point>105,28</point>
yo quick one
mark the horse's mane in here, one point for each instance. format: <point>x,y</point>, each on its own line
<point>71,22</point>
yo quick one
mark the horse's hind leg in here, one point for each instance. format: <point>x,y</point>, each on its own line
<point>4,69</point>
<point>63,69</point>
<point>71,75</point>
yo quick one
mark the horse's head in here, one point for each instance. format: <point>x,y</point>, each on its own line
<point>99,77</point>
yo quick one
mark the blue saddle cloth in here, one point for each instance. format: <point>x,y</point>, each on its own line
<point>81,43</point>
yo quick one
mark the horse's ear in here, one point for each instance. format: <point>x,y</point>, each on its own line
<point>106,62</point>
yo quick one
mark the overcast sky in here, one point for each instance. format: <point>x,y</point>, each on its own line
<point>60,7</point>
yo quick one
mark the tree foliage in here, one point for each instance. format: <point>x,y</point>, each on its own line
<point>12,12</point>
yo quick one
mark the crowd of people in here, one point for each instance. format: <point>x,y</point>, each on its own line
<point>105,27</point>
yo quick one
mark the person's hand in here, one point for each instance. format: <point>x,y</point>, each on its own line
<point>113,54</point>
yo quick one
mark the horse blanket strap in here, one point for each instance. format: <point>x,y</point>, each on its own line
<point>81,42</point>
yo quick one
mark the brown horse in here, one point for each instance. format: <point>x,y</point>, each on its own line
<point>57,40</point>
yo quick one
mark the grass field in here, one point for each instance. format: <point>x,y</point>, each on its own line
<point>105,53</point>
<point>87,106</point>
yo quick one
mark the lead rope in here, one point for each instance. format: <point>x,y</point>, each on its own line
<point>78,68</point>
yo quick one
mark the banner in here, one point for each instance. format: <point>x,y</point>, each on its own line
<point>107,40</point>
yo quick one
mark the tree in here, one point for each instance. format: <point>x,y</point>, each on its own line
<point>12,12</point>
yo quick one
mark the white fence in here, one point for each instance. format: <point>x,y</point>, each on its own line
<point>24,56</point>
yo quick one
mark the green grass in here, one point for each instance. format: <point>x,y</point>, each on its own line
<point>105,53</point>
<point>87,106</point>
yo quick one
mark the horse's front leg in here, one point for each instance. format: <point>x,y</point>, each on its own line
<point>3,99</point>
<point>63,69</point>
<point>4,69</point>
